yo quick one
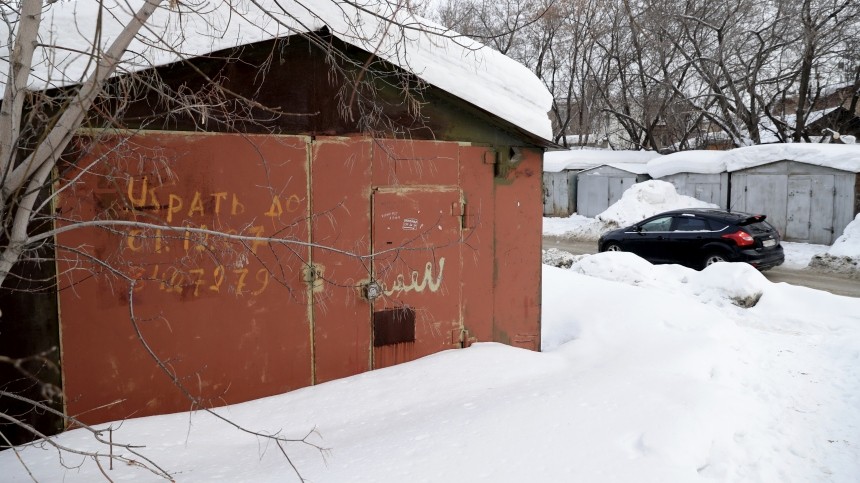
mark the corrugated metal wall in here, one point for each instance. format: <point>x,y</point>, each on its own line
<point>559,193</point>
<point>600,187</point>
<point>806,203</point>
<point>710,187</point>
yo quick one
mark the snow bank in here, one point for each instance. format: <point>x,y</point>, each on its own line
<point>768,369</point>
<point>844,256</point>
<point>848,245</point>
<point>558,258</point>
<point>575,226</point>
<point>847,266</point>
<point>647,199</point>
<point>799,255</point>
<point>718,284</point>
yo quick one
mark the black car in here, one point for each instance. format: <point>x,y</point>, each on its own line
<point>699,237</point>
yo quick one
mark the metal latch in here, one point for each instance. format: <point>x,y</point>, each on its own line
<point>371,290</point>
<point>313,275</point>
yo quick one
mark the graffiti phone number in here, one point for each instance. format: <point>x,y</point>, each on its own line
<point>196,282</point>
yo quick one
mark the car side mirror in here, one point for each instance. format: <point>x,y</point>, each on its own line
<point>638,229</point>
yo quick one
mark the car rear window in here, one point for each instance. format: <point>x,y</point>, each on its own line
<point>718,225</point>
<point>758,227</point>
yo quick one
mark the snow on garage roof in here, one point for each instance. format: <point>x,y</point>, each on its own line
<point>466,69</point>
<point>838,156</point>
<point>554,161</point>
<point>635,168</point>
<point>696,161</point>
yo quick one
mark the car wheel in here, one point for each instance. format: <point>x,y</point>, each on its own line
<point>713,258</point>
<point>612,247</point>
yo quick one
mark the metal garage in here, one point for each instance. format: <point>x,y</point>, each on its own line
<point>559,193</point>
<point>709,187</point>
<point>562,170</point>
<point>249,256</point>
<point>806,202</point>
<point>598,188</point>
<point>700,174</point>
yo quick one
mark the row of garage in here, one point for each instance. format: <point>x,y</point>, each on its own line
<point>808,192</point>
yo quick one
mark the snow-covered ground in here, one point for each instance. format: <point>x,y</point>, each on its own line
<point>713,375</point>
<point>716,375</point>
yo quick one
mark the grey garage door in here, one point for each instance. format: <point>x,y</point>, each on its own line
<point>809,211</point>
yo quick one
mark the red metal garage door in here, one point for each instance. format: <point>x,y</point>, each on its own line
<point>227,319</point>
<point>416,239</point>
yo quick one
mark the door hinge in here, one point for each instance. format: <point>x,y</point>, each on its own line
<point>458,208</point>
<point>460,337</point>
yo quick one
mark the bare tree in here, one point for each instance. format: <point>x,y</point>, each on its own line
<point>500,25</point>
<point>568,61</point>
<point>822,27</point>
<point>62,103</point>
<point>676,74</point>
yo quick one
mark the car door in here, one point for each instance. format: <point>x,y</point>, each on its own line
<point>689,234</point>
<point>651,239</point>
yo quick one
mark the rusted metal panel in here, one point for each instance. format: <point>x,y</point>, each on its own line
<point>416,241</point>
<point>394,326</point>
<point>227,319</point>
<point>413,163</point>
<point>340,184</point>
<point>517,254</point>
<point>456,254</point>
<point>476,250</point>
